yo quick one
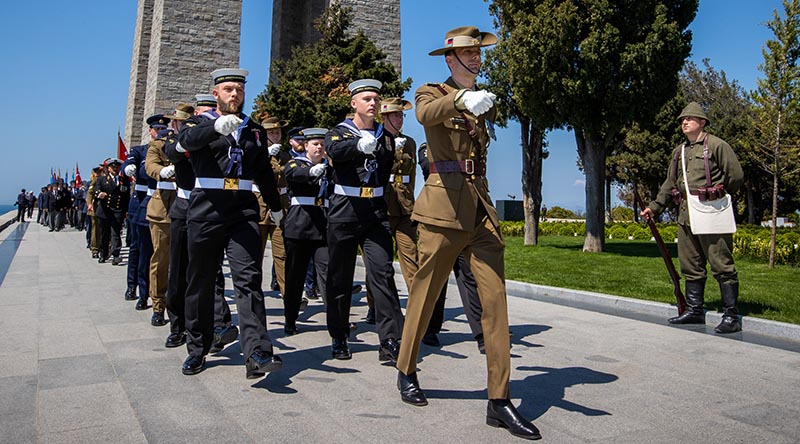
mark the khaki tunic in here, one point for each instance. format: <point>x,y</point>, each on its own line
<point>158,216</point>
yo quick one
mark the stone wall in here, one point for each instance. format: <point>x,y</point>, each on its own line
<point>138,80</point>
<point>187,40</point>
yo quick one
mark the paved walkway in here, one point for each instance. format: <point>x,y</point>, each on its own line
<point>79,365</point>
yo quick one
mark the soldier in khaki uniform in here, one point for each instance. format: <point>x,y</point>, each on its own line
<point>158,166</point>
<point>455,214</point>
<point>94,232</point>
<point>278,158</point>
<point>710,163</point>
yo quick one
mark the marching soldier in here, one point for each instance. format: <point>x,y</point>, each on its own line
<point>711,168</point>
<point>158,166</point>
<point>111,196</point>
<point>362,153</point>
<point>455,214</point>
<point>224,331</point>
<point>228,153</point>
<point>305,224</point>
<point>92,231</point>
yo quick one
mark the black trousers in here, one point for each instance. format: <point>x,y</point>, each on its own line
<point>375,239</point>
<point>468,290</point>
<point>21,213</point>
<point>177,283</point>
<point>241,242</point>
<point>299,253</point>
<point>110,230</point>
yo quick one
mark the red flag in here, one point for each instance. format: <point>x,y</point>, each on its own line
<point>78,180</point>
<point>122,152</point>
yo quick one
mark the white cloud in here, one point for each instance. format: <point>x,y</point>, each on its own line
<point>579,183</point>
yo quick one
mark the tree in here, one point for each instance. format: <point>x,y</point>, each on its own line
<point>598,66</point>
<point>310,88</point>
<point>777,104</point>
<point>504,64</point>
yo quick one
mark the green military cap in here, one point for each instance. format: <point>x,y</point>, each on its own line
<point>693,109</point>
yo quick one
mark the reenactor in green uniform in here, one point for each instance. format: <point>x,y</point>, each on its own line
<point>455,215</point>
<point>712,170</point>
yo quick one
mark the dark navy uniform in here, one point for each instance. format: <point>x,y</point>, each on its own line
<point>141,247</point>
<point>110,211</point>
<point>223,215</point>
<point>357,217</point>
<point>304,234</point>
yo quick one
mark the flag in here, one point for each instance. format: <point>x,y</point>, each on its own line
<point>78,180</point>
<point>122,152</point>
<point>52,176</point>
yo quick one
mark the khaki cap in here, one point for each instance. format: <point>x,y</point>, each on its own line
<point>273,122</point>
<point>465,37</point>
<point>394,104</point>
<point>182,112</point>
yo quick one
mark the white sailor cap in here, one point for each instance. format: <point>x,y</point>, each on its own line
<point>229,75</point>
<point>314,133</point>
<point>205,100</point>
<point>363,85</point>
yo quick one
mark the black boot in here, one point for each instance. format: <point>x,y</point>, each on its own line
<point>130,294</point>
<point>409,389</point>
<point>730,315</point>
<point>694,305</point>
<point>502,413</point>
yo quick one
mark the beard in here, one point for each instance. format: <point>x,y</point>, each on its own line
<point>230,108</point>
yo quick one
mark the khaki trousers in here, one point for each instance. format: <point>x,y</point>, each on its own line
<point>159,265</point>
<point>405,238</point>
<point>95,235</point>
<point>275,234</point>
<point>438,249</point>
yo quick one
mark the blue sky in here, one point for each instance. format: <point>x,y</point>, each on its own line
<point>67,66</point>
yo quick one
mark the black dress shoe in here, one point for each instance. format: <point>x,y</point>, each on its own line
<point>290,330</point>
<point>357,289</point>
<point>688,317</point>
<point>261,363</point>
<point>502,413</point>
<point>158,319</point>
<point>141,304</point>
<point>116,260</point>
<point>175,340</point>
<point>223,336</point>
<point>340,350</point>
<point>390,349</point>
<point>431,339</point>
<point>370,319</point>
<point>729,324</point>
<point>193,365</point>
<point>130,294</point>
<point>410,392</point>
<point>95,255</point>
<point>101,260</point>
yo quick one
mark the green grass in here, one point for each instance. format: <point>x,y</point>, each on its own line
<point>635,269</point>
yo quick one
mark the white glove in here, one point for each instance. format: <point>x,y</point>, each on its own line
<point>274,149</point>
<point>167,172</point>
<point>367,143</point>
<point>227,124</point>
<point>130,170</point>
<point>317,170</point>
<point>179,148</point>
<point>276,216</point>
<point>399,142</point>
<point>478,102</point>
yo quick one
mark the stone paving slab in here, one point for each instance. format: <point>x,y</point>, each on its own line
<point>79,365</point>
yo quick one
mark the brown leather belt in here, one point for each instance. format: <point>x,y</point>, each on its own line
<point>458,166</point>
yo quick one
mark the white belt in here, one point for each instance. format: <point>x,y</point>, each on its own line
<point>307,200</point>
<point>141,188</point>
<point>150,191</point>
<point>400,179</point>
<point>216,183</point>
<point>284,190</point>
<point>256,189</point>
<point>167,186</point>
<point>365,192</point>
<point>184,194</point>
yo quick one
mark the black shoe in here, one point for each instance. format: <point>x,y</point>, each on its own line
<point>729,324</point>
<point>141,304</point>
<point>95,255</point>
<point>175,340</point>
<point>340,350</point>
<point>370,319</point>
<point>158,319</point>
<point>311,293</point>
<point>688,317</point>
<point>290,329</point>
<point>390,349</point>
<point>357,289</point>
<point>502,413</point>
<point>303,303</point>
<point>431,339</point>
<point>353,326</point>
<point>193,365</point>
<point>51,230</point>
<point>116,260</point>
<point>261,363</point>
<point>410,392</point>
<point>101,260</point>
<point>130,294</point>
<point>223,336</point>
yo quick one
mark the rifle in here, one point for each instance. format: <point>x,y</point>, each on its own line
<point>673,274</point>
